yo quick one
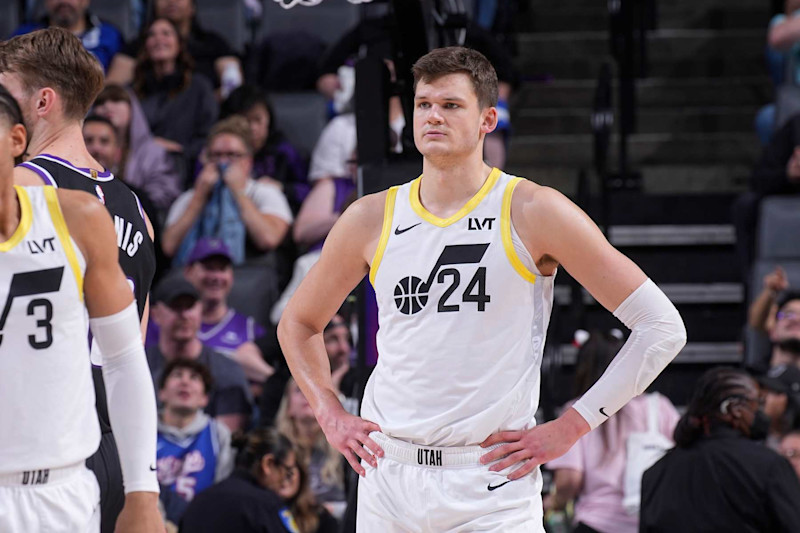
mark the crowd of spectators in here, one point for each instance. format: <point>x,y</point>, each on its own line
<point>184,122</point>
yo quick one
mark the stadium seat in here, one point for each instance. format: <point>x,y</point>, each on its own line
<point>327,21</point>
<point>9,18</point>
<point>255,288</point>
<point>779,227</point>
<point>227,18</point>
<point>301,117</point>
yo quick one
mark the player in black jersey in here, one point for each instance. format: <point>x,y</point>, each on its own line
<point>55,80</point>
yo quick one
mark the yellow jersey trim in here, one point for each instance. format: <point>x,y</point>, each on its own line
<point>505,230</point>
<point>386,230</point>
<point>473,202</point>
<point>63,235</point>
<point>25,220</point>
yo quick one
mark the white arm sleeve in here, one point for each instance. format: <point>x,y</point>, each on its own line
<point>131,400</point>
<point>657,335</point>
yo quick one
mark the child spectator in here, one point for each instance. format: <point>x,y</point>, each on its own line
<point>194,451</point>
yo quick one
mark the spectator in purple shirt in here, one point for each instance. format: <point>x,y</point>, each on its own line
<point>210,270</point>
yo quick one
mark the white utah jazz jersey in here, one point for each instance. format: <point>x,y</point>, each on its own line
<point>462,314</point>
<point>47,413</point>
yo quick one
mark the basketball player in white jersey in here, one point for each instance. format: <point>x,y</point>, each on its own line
<point>58,260</point>
<point>462,260</point>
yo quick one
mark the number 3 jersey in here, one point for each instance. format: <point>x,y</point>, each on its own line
<point>47,410</point>
<point>462,313</point>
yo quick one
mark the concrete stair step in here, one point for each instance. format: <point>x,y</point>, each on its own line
<point>660,93</point>
<point>656,179</point>
<point>687,120</point>
<point>671,53</point>
<point>643,149</point>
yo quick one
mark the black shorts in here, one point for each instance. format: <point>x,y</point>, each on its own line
<point>106,467</point>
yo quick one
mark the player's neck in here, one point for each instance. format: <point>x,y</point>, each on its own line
<point>64,141</point>
<point>214,311</point>
<point>10,213</point>
<point>446,187</point>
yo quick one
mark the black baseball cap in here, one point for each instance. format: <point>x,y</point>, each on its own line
<point>172,287</point>
<point>783,379</point>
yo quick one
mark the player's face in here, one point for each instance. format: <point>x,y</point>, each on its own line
<point>175,10</point>
<point>298,408</point>
<point>65,13</point>
<point>213,278</point>
<point>119,113</point>
<point>101,141</point>
<point>448,120</point>
<point>184,390</point>
<point>258,119</point>
<point>337,344</point>
<point>787,322</point>
<point>25,98</point>
<point>162,43</point>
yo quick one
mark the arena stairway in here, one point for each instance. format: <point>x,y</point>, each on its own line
<point>694,147</point>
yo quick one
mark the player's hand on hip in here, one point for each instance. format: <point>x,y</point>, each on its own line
<point>140,514</point>
<point>528,448</point>
<point>350,435</point>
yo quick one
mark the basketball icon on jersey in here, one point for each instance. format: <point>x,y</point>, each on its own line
<point>411,292</point>
<point>410,295</point>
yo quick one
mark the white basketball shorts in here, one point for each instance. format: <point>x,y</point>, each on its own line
<point>51,500</point>
<point>418,489</point>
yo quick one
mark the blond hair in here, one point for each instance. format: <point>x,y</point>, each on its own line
<point>55,58</point>
<point>333,469</point>
<point>235,125</point>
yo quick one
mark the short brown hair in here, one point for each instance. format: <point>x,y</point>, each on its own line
<point>234,125</point>
<point>55,58</point>
<point>193,366</point>
<point>112,93</point>
<point>457,59</point>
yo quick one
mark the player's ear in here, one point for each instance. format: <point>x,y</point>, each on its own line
<point>45,101</point>
<point>488,120</point>
<point>19,140</point>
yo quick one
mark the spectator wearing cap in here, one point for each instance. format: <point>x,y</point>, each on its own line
<point>780,390</point>
<point>252,217</point>
<point>177,311</point>
<point>210,270</point>
<point>784,330</point>
<point>100,38</point>
<point>194,450</point>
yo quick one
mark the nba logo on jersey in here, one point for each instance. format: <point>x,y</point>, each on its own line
<point>100,194</point>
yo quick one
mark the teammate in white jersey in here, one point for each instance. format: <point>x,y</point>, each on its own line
<point>462,261</point>
<point>58,260</point>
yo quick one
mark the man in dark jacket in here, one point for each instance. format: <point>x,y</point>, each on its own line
<point>718,478</point>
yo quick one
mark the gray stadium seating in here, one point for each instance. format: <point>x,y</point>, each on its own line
<point>255,288</point>
<point>225,17</point>
<point>328,21</point>
<point>301,117</point>
<point>9,18</point>
<point>779,228</point>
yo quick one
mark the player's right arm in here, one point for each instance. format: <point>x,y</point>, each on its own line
<point>114,322</point>
<point>343,263</point>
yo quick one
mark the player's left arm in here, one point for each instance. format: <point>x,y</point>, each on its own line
<point>556,231</point>
<point>115,326</point>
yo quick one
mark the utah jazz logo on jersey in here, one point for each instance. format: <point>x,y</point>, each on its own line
<point>411,293</point>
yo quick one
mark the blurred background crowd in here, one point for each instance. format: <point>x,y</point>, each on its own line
<point>673,124</point>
